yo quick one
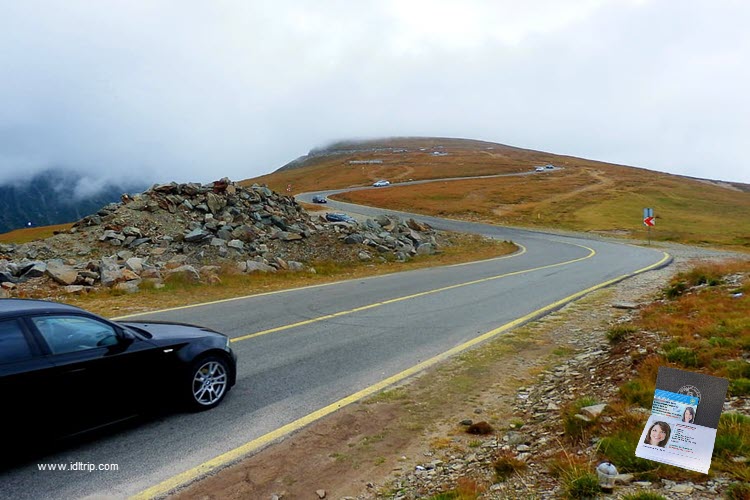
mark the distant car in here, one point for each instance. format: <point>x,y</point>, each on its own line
<point>319,199</point>
<point>339,217</point>
<point>382,183</point>
<point>549,167</point>
<point>539,169</point>
<point>64,370</point>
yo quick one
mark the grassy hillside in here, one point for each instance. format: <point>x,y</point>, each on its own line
<point>33,233</point>
<point>584,195</point>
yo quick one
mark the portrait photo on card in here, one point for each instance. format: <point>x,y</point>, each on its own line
<point>688,415</point>
<point>658,433</point>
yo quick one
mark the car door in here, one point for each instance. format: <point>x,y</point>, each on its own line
<point>26,385</point>
<point>99,369</point>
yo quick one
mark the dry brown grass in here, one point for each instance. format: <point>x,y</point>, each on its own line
<point>33,233</point>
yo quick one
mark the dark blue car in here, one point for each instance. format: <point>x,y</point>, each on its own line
<point>339,217</point>
<point>64,370</point>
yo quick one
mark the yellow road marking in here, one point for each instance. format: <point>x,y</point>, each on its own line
<point>222,301</point>
<point>236,454</point>
<point>407,297</point>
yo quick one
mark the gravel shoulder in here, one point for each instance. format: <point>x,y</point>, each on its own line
<point>409,442</point>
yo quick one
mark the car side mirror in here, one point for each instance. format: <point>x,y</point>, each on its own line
<point>124,339</point>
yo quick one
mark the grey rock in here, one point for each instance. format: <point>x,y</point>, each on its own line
<point>354,238</point>
<point>197,235</point>
<point>364,256</point>
<point>6,277</point>
<point>514,438</point>
<point>124,254</point>
<point>127,286</point>
<point>138,242</point>
<point>295,266</point>
<point>135,264</point>
<point>287,236</point>
<point>625,305</point>
<point>685,489</point>
<point>65,275</point>
<point>132,231</point>
<point>185,272</point>
<point>425,249</point>
<point>593,411</point>
<point>110,272</point>
<point>33,269</point>
<point>224,233</point>
<point>236,244</point>
<point>624,478</point>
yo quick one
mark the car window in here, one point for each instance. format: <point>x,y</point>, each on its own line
<point>74,333</point>
<point>13,343</point>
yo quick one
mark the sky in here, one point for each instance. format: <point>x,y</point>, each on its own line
<point>190,91</point>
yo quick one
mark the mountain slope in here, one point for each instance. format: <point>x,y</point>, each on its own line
<point>50,198</point>
<point>581,194</point>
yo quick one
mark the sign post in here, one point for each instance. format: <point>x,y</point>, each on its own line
<point>649,221</point>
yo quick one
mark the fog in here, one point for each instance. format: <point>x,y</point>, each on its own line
<point>189,91</point>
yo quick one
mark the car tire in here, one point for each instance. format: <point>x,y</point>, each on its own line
<point>207,383</point>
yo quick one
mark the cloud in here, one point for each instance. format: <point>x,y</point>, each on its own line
<point>166,90</point>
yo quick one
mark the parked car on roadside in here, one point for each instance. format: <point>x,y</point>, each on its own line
<point>381,183</point>
<point>64,370</point>
<point>319,199</point>
<point>339,217</point>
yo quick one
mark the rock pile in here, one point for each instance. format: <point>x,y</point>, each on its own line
<point>194,231</point>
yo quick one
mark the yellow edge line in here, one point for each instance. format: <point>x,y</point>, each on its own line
<point>222,301</point>
<point>191,475</point>
<point>407,297</point>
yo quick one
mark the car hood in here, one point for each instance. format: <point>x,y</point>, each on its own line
<point>159,330</point>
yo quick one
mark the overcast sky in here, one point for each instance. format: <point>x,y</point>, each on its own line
<point>192,91</point>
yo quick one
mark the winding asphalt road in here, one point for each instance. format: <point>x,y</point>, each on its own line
<point>303,353</point>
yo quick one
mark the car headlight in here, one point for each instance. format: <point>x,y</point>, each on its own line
<point>226,346</point>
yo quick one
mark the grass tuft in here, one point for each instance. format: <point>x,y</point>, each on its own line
<point>618,333</point>
<point>506,465</point>
<point>644,495</point>
<point>575,426</point>
<point>638,393</point>
<point>576,475</point>
<point>683,356</point>
<point>738,491</point>
<point>619,448</point>
<point>481,428</point>
<point>584,486</point>
<point>739,387</point>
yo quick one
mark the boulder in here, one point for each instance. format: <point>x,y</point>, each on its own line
<point>110,272</point>
<point>186,273</point>
<point>61,273</point>
<point>33,269</point>
<point>254,266</point>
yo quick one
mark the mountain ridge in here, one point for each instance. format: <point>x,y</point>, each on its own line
<point>50,198</point>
